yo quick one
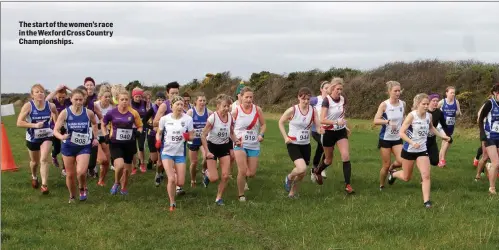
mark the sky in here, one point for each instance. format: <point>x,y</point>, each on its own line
<point>157,43</point>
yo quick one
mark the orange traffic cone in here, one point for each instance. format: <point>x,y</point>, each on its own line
<point>8,163</point>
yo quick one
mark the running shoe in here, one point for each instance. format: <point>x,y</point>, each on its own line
<point>246,187</point>
<point>442,163</point>
<point>63,172</point>
<point>391,178</point>
<point>323,174</point>
<point>123,191</point>
<point>34,183</point>
<point>157,180</point>
<point>206,181</point>
<point>72,200</point>
<point>44,189</point>
<point>134,171</point>
<point>83,195</point>
<point>180,191</point>
<point>220,202</point>
<point>349,189</point>
<point>101,183</point>
<point>242,198</point>
<point>428,204</point>
<point>318,176</point>
<point>173,207</point>
<point>287,184</point>
<point>143,168</point>
<point>475,162</point>
<point>115,188</point>
<point>55,162</point>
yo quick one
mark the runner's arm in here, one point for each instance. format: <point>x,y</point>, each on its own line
<point>160,113</point>
<point>261,118</point>
<point>91,116</point>
<point>137,121</point>
<point>58,124</point>
<point>286,116</point>
<point>458,108</point>
<point>146,117</point>
<point>487,107</point>
<point>53,111</point>
<point>378,117</point>
<point>21,119</point>
<point>405,125</point>
<point>207,128</point>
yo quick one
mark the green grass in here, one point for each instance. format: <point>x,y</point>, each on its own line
<point>463,217</point>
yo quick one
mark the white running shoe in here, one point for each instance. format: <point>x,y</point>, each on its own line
<point>246,187</point>
<point>323,173</point>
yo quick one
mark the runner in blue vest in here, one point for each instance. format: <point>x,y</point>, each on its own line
<point>81,126</point>
<point>187,102</point>
<point>35,116</point>
<point>199,114</point>
<point>450,108</point>
<point>488,123</point>
<point>147,120</point>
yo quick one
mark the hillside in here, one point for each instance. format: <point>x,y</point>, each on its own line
<point>363,89</point>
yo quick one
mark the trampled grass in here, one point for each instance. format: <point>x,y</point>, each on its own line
<point>463,217</point>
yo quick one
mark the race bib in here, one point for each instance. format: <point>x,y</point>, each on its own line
<point>450,121</point>
<point>124,134</point>
<point>40,133</point>
<point>393,131</point>
<point>222,134</point>
<point>80,138</point>
<point>198,132</point>
<point>174,137</point>
<point>495,126</point>
<point>303,136</point>
<point>250,136</point>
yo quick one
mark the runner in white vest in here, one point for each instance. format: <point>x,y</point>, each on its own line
<point>302,117</point>
<point>390,115</point>
<point>414,132</point>
<point>249,128</point>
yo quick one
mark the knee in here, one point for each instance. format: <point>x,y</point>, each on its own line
<point>172,180</point>
<point>250,174</point>
<point>385,164</point>
<point>33,163</point>
<point>405,177</point>
<point>194,162</point>
<point>425,176</point>
<point>328,161</point>
<point>301,170</point>
<point>225,177</point>
<point>179,183</point>
<point>345,157</point>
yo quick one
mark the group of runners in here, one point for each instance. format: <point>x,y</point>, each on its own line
<point>110,128</point>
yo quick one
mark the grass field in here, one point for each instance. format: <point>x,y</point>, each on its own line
<point>463,216</point>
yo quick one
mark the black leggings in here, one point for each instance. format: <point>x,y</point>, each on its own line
<point>56,147</point>
<point>319,150</point>
<point>432,148</point>
<point>479,153</point>
<point>93,158</point>
<point>141,140</point>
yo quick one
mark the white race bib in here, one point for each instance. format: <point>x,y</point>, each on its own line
<point>198,132</point>
<point>393,131</point>
<point>40,133</point>
<point>174,137</point>
<point>450,121</point>
<point>250,136</point>
<point>124,134</point>
<point>303,136</point>
<point>495,127</point>
<point>80,138</point>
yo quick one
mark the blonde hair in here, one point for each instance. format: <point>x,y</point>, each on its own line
<point>117,89</point>
<point>222,98</point>
<point>391,84</point>
<point>176,98</point>
<point>104,88</point>
<point>147,93</point>
<point>37,86</point>
<point>335,81</point>
<point>418,99</point>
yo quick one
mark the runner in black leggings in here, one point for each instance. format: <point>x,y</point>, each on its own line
<point>316,102</point>
<point>436,117</point>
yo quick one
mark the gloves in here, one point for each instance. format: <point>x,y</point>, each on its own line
<point>158,144</point>
<point>186,136</point>
<point>137,133</point>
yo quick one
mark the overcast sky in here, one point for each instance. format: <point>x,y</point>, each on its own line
<point>163,42</point>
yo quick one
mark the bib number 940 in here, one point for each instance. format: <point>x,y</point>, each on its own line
<point>124,134</point>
